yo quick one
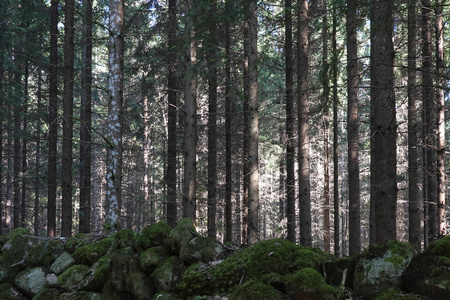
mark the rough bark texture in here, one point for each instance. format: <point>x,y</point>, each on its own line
<point>303,126</point>
<point>353,131</point>
<point>37,185</point>
<point>17,161</point>
<point>253,126</point>
<point>171,175</point>
<point>2,195</point>
<point>52,121</point>
<point>246,181</point>
<point>290,120</point>
<point>413,131</point>
<point>440,101</point>
<point>115,118</point>
<point>23,204</point>
<point>190,118</point>
<point>212,121</point>
<point>86,123</point>
<point>383,125</point>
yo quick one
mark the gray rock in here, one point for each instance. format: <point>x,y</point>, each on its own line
<point>31,281</point>
<point>52,280</point>
<point>62,263</point>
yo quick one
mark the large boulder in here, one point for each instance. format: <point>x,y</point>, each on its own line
<point>180,235</point>
<point>88,254</point>
<point>31,281</point>
<point>47,293</point>
<point>9,292</point>
<point>200,249</point>
<point>71,278</point>
<point>125,238</point>
<point>123,263</point>
<point>428,274</point>
<point>151,258</point>
<point>62,263</point>
<point>152,236</point>
<point>308,284</point>
<point>44,254</point>
<point>140,286</point>
<point>76,241</point>
<point>97,276</point>
<point>381,268</point>
<point>254,289</point>
<point>168,275</point>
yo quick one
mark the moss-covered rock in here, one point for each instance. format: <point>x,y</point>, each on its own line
<point>44,254</point>
<point>180,235</point>
<point>152,235</point>
<point>380,268</point>
<point>80,296</point>
<point>77,241</point>
<point>97,276</point>
<point>110,293</point>
<point>200,249</point>
<point>124,238</point>
<point>31,281</point>
<point>334,270</point>
<point>254,289</point>
<point>309,284</point>
<point>9,292</point>
<point>151,258</point>
<point>123,262</point>
<point>395,294</point>
<point>196,280</point>
<point>165,296</point>
<point>168,275</point>
<point>62,263</point>
<point>140,286</point>
<point>88,254</point>
<point>72,277</point>
<point>47,293</point>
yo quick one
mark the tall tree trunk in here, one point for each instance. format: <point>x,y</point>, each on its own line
<point>290,123</point>
<point>3,117</point>
<point>303,126</point>
<point>353,131</point>
<point>9,171</point>
<point>326,128</point>
<point>190,118</point>
<point>440,101</point>
<point>212,121</point>
<point>171,175</point>
<point>383,122</point>
<point>228,140</point>
<point>413,131</point>
<point>253,124</point>
<point>429,128</point>
<point>336,206</point>
<point>23,205</point>
<point>86,123</point>
<point>67,150</point>
<point>115,115</point>
<point>37,182</point>
<point>17,153</point>
<point>246,181</point>
<point>52,120</point>
<point>146,145</point>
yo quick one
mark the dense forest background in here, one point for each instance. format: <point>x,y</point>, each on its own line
<point>322,122</point>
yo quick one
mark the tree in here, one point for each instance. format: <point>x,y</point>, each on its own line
<point>190,118</point>
<point>52,121</point>
<point>413,131</point>
<point>253,123</point>
<point>86,122</point>
<point>383,127</point>
<point>290,122</point>
<point>353,131</point>
<point>303,126</point>
<point>171,175</point>
<point>115,115</point>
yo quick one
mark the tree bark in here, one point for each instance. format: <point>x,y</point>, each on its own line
<point>303,126</point>
<point>290,122</point>
<point>115,115</point>
<point>37,183</point>
<point>383,127</point>
<point>86,123</point>
<point>353,131</point>
<point>17,161</point>
<point>413,131</point>
<point>171,175</point>
<point>190,118</point>
<point>23,205</point>
<point>52,121</point>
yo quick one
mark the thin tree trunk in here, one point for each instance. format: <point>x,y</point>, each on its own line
<point>353,131</point>
<point>52,121</point>
<point>190,119</point>
<point>413,131</point>
<point>171,175</point>
<point>336,206</point>
<point>86,124</point>
<point>115,116</point>
<point>253,123</point>
<point>440,101</point>
<point>23,205</point>
<point>383,122</point>
<point>228,140</point>
<point>37,184</point>
<point>212,122</point>
<point>3,117</point>
<point>290,122</point>
<point>9,171</point>
<point>303,126</point>
<point>146,144</point>
<point>17,161</point>
<point>246,172</point>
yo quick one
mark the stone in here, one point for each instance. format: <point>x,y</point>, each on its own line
<point>152,236</point>
<point>140,286</point>
<point>45,253</point>
<point>200,249</point>
<point>70,279</point>
<point>97,276</point>
<point>123,262</point>
<point>9,292</point>
<point>308,284</point>
<point>151,258</point>
<point>52,280</point>
<point>62,263</point>
<point>168,275</point>
<point>31,281</point>
<point>180,235</point>
<point>254,289</point>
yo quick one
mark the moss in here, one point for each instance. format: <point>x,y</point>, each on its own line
<point>124,238</point>
<point>395,294</point>
<point>152,235</point>
<point>168,275</point>
<point>164,296</point>
<point>308,283</point>
<point>255,289</point>
<point>196,280</point>
<point>201,249</point>
<point>440,247</point>
<point>72,276</point>
<point>152,258</point>
<point>77,241</point>
<point>98,275</point>
<point>90,253</point>
<point>47,293</point>
<point>180,235</point>
<point>45,253</point>
<point>8,292</point>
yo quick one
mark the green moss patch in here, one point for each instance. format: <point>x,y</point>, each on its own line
<point>254,289</point>
<point>152,258</point>
<point>125,238</point>
<point>309,284</point>
<point>152,235</point>
<point>72,276</point>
